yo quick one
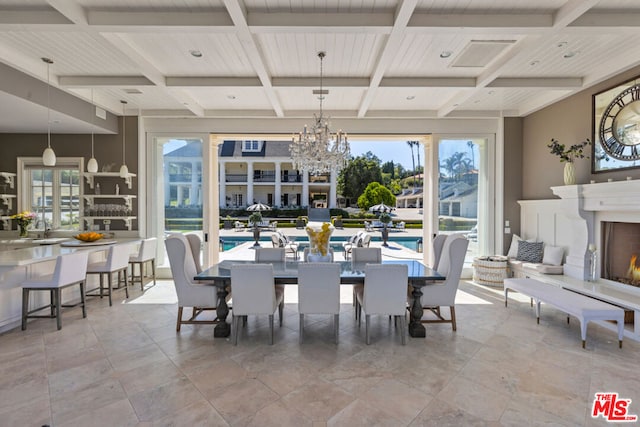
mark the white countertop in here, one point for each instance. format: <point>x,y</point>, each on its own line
<point>34,254</point>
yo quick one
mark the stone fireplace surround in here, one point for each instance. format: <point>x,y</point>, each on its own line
<point>574,221</point>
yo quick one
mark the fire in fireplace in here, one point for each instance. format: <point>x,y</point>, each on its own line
<point>633,274</point>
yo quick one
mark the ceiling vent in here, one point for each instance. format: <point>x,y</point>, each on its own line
<point>480,53</point>
<point>133,91</point>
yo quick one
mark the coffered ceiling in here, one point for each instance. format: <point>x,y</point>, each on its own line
<point>258,58</point>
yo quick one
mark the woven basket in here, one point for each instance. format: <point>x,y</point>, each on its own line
<point>490,271</point>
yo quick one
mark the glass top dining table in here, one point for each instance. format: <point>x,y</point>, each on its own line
<point>419,275</point>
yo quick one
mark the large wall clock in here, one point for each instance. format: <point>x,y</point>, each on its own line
<point>617,127</point>
<point>620,125</point>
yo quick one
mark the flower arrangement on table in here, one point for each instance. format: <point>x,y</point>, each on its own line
<point>575,151</point>
<point>24,219</point>
<point>319,238</point>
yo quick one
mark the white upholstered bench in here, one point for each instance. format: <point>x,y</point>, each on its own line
<point>584,308</point>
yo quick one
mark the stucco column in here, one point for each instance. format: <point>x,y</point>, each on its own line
<point>211,222</point>
<point>194,198</point>
<point>223,184</point>
<point>305,189</point>
<point>278,185</point>
<point>167,187</point>
<point>179,195</point>
<point>249,183</point>
<point>333,189</point>
<point>430,194</point>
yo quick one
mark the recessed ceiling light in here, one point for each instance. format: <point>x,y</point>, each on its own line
<point>410,98</point>
<point>561,44</point>
<point>195,53</point>
<point>445,54</point>
<point>570,54</point>
<point>231,97</point>
<point>455,105</point>
<point>491,92</point>
<point>534,63</point>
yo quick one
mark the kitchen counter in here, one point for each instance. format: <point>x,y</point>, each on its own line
<point>46,250</point>
<point>34,260</point>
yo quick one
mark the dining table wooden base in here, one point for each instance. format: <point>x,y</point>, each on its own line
<point>416,328</point>
<point>222,329</point>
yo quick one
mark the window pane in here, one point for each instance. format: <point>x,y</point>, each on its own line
<point>69,216</point>
<point>458,189</point>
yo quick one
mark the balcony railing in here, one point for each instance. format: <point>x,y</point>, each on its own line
<point>290,178</point>
<point>265,176</point>
<point>236,177</point>
<point>320,178</point>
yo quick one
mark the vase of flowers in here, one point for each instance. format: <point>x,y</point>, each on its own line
<point>319,242</point>
<point>24,220</point>
<point>568,155</point>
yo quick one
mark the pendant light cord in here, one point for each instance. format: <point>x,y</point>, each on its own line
<point>93,123</point>
<point>321,56</point>
<point>48,105</point>
<point>124,132</point>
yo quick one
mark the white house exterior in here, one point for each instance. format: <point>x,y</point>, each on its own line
<point>250,172</point>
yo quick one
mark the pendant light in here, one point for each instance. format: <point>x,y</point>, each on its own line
<point>124,170</point>
<point>48,156</point>
<point>92,164</point>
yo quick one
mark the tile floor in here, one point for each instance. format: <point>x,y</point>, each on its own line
<point>126,366</point>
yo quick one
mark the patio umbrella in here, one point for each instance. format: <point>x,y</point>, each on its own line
<point>258,207</point>
<point>381,208</point>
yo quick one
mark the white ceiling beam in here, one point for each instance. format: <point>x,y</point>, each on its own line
<point>419,82</point>
<point>571,11</point>
<point>264,22</point>
<point>625,21</point>
<point>511,22</point>
<point>151,19</point>
<point>537,82</point>
<point>71,10</point>
<point>238,15</point>
<point>32,17</point>
<point>389,51</point>
<point>327,82</point>
<point>98,81</point>
<point>202,81</point>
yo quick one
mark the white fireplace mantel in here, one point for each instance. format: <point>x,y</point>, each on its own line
<point>615,196</point>
<point>573,220</point>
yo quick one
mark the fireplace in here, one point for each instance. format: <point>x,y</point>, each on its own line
<point>620,252</point>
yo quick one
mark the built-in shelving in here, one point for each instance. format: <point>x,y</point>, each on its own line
<point>94,215</point>
<point>128,220</point>
<point>9,178</point>
<point>6,199</point>
<point>90,177</point>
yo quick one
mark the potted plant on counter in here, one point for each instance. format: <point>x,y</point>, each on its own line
<point>568,155</point>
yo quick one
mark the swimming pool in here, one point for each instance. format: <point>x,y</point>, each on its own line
<point>229,243</point>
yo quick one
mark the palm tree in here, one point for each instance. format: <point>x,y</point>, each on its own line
<point>413,161</point>
<point>473,159</point>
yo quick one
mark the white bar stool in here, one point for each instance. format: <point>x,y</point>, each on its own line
<point>117,261</point>
<point>146,253</point>
<point>70,270</point>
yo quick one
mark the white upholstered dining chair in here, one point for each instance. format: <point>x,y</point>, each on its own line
<point>441,294</point>
<point>254,293</point>
<point>384,292</point>
<point>360,255</point>
<point>319,292</point>
<point>190,293</point>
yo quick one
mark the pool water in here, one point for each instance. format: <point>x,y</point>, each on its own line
<point>229,243</point>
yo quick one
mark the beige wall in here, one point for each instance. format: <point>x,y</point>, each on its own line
<point>107,148</point>
<point>569,121</point>
<point>513,175</point>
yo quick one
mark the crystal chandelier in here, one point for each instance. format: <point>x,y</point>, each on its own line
<point>317,150</point>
